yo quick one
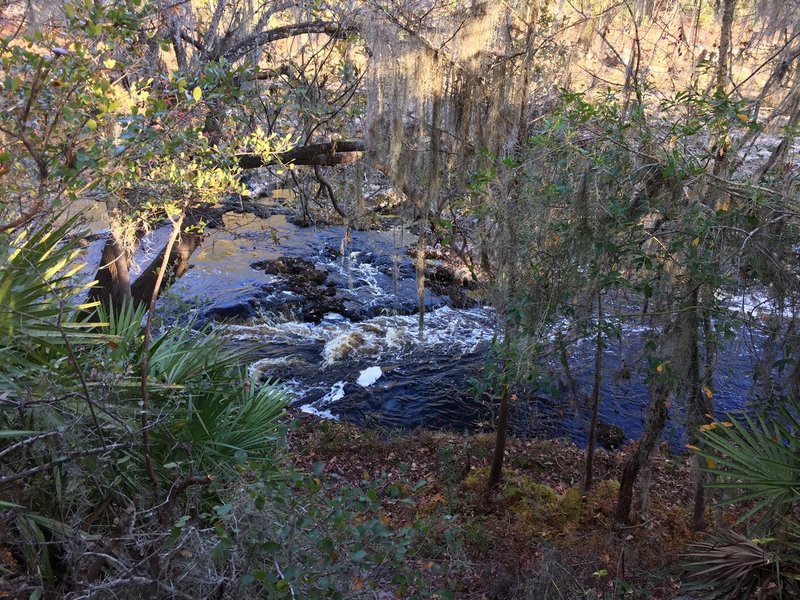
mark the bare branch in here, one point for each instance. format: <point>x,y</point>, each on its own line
<point>59,461</point>
<point>335,30</point>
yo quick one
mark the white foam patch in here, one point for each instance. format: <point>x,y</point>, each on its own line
<point>343,345</point>
<point>336,393</point>
<point>456,332</point>
<point>754,303</point>
<point>317,408</point>
<point>258,368</point>
<point>322,414</point>
<point>369,376</point>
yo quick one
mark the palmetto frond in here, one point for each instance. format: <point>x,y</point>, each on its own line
<point>229,427</point>
<point>38,295</point>
<point>758,462</point>
<point>731,565</point>
<point>208,415</point>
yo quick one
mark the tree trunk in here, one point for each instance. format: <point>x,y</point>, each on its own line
<point>700,405</point>
<point>725,42</point>
<point>496,472</point>
<point>326,154</point>
<point>656,418</point>
<point>113,287</point>
<point>142,289</point>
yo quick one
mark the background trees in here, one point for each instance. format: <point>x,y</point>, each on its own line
<point>126,107</point>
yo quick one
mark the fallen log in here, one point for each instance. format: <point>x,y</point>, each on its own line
<point>326,154</point>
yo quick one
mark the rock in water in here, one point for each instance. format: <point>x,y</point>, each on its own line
<point>609,436</point>
<point>294,268</point>
<point>309,299</point>
<point>369,376</point>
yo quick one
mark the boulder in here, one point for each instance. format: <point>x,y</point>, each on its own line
<point>609,436</point>
<point>293,268</point>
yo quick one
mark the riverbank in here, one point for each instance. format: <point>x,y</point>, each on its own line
<point>534,537</point>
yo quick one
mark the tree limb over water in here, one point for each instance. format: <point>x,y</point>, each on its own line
<point>326,154</point>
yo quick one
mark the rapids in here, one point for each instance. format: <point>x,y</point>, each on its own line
<point>371,367</point>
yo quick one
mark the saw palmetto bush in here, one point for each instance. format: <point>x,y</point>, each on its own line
<point>757,463</point>
<point>208,416</point>
<point>71,437</point>
<point>36,286</point>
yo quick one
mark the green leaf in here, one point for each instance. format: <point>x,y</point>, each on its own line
<point>197,94</point>
<point>11,433</point>
<point>358,555</point>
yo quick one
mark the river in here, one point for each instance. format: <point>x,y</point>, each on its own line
<point>364,361</point>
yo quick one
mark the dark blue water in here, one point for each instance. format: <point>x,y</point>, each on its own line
<point>432,382</point>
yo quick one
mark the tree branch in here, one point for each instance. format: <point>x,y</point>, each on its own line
<point>329,189</point>
<point>335,30</point>
<point>326,154</point>
<point>4,481</point>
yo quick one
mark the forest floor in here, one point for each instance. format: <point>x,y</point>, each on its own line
<point>536,536</point>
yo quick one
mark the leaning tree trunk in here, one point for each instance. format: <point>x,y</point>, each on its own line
<point>113,287</point>
<point>656,418</point>
<point>177,265</point>
<point>496,471</point>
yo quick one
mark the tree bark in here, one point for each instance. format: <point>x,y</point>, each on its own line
<point>334,30</point>
<point>725,42</point>
<point>113,287</point>
<point>496,472</point>
<point>178,263</point>
<point>701,405</point>
<point>656,418</point>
